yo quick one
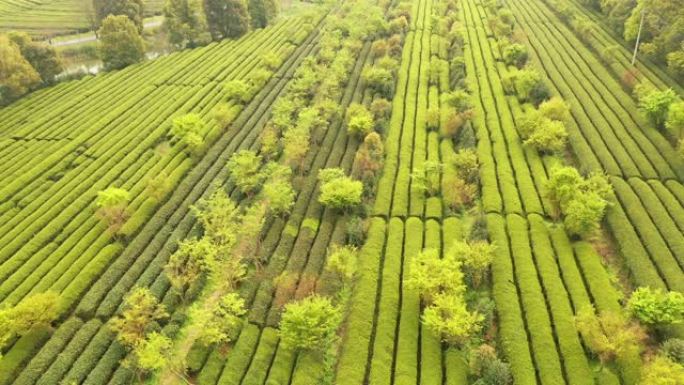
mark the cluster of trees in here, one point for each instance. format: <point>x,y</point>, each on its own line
<point>615,338</point>
<point>544,128</point>
<point>582,202</point>
<point>188,23</point>
<point>661,36</point>
<point>443,283</point>
<point>24,65</point>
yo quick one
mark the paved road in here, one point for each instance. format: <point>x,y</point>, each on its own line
<point>91,37</point>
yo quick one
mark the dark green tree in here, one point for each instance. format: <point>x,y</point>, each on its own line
<point>226,18</point>
<point>133,9</point>
<point>262,12</point>
<point>17,75</point>
<point>120,43</point>
<point>183,22</point>
<point>42,56</point>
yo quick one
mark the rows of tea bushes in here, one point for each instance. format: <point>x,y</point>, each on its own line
<point>48,18</point>
<point>615,53</point>
<point>627,147</point>
<point>296,248</point>
<point>552,276</point>
<point>98,284</point>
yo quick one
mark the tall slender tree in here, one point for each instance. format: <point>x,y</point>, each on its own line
<point>226,18</point>
<point>184,22</point>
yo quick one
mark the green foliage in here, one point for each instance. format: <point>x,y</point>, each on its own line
<point>296,142</point>
<point>656,103</point>
<point>184,23</point>
<point>549,137</point>
<point>192,259</point>
<point>582,201</point>
<point>427,177</point>
<point>359,120</point>
<point>188,129</point>
<point>132,9</point>
<point>432,118</point>
<point>279,195</point>
<point>662,371</point>
<point>338,190</point>
<point>674,350</point>
<point>583,213</point>
<point>120,44</point>
<point>675,62</point>
<point>42,56</point>
<point>309,324</point>
<point>488,367</point>
<point>515,54</point>
<point>610,335</point>
<point>226,18</point>
<point>476,257</point>
<point>238,91</point>
<point>380,79</point>
<point>369,159</point>
<point>530,86</point>
<point>466,164</point>
<point>456,192</point>
<point>112,206</point>
<point>262,12</point>
<point>218,322</point>
<point>140,310</point>
<point>458,99</point>
<point>431,275</point>
<point>656,307</point>
<point>17,76</point>
<point>555,109</point>
<point>35,311</point>
<point>244,168</point>
<point>219,217</point>
<point>342,260</point>
<point>153,352</point>
<point>449,317</point>
<point>675,118</point>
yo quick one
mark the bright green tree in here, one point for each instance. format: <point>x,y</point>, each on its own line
<point>675,118</point>
<point>656,307</point>
<point>661,370</point>
<point>188,129</point>
<point>140,310</point>
<point>218,322</point>
<point>192,259</point>
<point>338,190</point>
<point>34,311</point>
<point>431,275</point>
<point>449,317</point>
<point>309,324</point>
<point>359,120</point>
<point>120,43</point>
<point>112,207</point>
<point>244,168</point>
<point>656,103</point>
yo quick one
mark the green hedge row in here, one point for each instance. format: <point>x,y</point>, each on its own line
<point>281,369</point>
<point>456,368</point>
<point>20,353</point>
<point>407,341</point>
<point>352,362</point>
<point>382,363</point>
<point>430,343</point>
<point>574,361</point>
<point>617,108</point>
<point>539,323</point>
<point>649,235</point>
<point>669,200</point>
<point>41,361</point>
<point>258,368</point>
<point>662,217</point>
<point>510,315</point>
<point>240,355</point>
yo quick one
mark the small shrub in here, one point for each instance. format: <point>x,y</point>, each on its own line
<point>449,317</point>
<point>656,104</point>
<point>662,371</point>
<point>432,119</point>
<point>555,109</point>
<point>466,164</point>
<point>515,54</point>
<point>550,137</point>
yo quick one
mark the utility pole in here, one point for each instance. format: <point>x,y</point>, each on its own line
<point>636,46</point>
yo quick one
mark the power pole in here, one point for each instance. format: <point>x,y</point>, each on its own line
<point>636,46</point>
